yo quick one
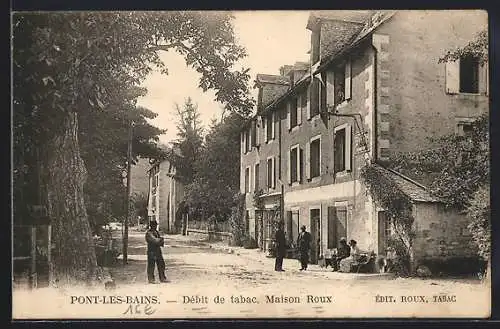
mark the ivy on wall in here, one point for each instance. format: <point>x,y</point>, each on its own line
<point>398,207</point>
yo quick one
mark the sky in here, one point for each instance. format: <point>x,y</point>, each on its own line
<point>272,39</point>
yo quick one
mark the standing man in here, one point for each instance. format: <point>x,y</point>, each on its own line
<point>304,245</point>
<point>280,248</point>
<point>155,242</point>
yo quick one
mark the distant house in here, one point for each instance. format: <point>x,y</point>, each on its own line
<point>378,89</point>
<point>164,197</point>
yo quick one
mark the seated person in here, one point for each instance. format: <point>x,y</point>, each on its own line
<point>345,264</point>
<point>344,251</point>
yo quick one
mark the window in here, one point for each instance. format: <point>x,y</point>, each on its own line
<point>271,179</point>
<point>339,83</point>
<point>247,180</point>
<point>315,160</point>
<point>469,75</point>
<point>256,177</point>
<point>339,150</point>
<point>342,148</point>
<point>294,164</point>
<point>270,127</point>
<point>464,126</point>
<point>248,145</point>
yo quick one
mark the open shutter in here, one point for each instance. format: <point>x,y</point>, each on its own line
<point>274,172</point>
<point>297,164</point>
<point>253,133</point>
<point>308,104</point>
<point>289,167</point>
<point>258,130</point>
<point>452,77</point>
<point>289,115</point>
<point>483,79</point>
<point>330,89</point>
<point>308,160</point>
<point>242,142</point>
<point>348,80</point>
<point>301,104</point>
<point>264,128</point>
<point>348,141</point>
<point>273,123</point>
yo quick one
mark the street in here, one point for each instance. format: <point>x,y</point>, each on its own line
<point>213,280</point>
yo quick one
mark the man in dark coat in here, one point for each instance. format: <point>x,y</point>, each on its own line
<point>304,245</point>
<point>155,242</point>
<point>280,248</point>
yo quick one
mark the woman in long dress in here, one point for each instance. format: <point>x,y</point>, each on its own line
<point>345,264</point>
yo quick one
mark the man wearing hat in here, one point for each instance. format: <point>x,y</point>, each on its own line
<point>155,242</point>
<point>304,245</point>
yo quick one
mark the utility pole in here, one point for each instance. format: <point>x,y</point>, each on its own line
<point>127,201</point>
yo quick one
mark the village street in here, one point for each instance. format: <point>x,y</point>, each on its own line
<point>201,274</point>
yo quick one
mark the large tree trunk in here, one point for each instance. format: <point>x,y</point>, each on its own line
<point>74,258</point>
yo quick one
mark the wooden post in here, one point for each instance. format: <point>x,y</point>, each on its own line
<point>33,276</point>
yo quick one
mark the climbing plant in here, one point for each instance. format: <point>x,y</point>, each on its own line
<point>398,207</point>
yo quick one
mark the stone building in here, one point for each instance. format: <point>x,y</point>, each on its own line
<point>165,195</point>
<point>374,87</point>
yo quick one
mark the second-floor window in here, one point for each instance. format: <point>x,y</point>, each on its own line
<point>315,154</point>
<point>256,177</point>
<point>293,112</point>
<point>342,149</point>
<point>294,164</point>
<point>469,75</point>
<point>271,177</point>
<point>247,180</point>
<point>270,127</point>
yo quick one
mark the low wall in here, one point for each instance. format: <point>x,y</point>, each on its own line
<point>212,235</point>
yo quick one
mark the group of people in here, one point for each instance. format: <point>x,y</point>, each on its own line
<point>303,246</point>
<point>347,253</point>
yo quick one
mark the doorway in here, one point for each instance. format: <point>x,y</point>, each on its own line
<point>384,232</point>
<point>337,225</point>
<point>315,235</point>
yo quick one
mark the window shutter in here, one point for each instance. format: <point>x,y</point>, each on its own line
<point>273,120</point>
<point>308,160</point>
<point>452,77</point>
<point>330,89</point>
<point>289,115</point>
<point>301,165</point>
<point>264,128</point>
<point>483,79</point>
<point>242,142</point>
<point>301,103</point>
<point>348,155</point>
<point>348,80</point>
<point>297,164</point>
<point>289,167</point>
<point>253,133</point>
<point>308,104</point>
<point>274,172</point>
<point>257,130</point>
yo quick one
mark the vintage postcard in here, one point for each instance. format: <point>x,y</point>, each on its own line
<point>251,164</point>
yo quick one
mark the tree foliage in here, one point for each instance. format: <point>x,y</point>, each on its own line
<point>477,48</point>
<point>75,83</point>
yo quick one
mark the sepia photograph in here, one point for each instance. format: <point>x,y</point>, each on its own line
<point>250,164</point>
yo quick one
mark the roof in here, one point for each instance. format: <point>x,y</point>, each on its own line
<point>269,78</point>
<point>414,190</point>
<point>356,16</point>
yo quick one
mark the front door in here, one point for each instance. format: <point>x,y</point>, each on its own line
<point>384,232</point>
<point>315,235</point>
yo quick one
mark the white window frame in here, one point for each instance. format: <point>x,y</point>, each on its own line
<point>320,155</point>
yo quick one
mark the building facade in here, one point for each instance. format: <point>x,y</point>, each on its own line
<point>165,195</point>
<point>374,88</point>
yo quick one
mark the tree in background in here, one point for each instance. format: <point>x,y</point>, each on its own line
<point>212,191</point>
<point>188,145</point>
<point>70,65</point>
